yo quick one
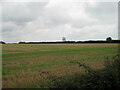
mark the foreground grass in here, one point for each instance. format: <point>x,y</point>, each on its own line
<point>100,79</point>
<point>27,65</point>
<point>107,77</point>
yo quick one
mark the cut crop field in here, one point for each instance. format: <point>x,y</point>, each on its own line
<point>28,65</point>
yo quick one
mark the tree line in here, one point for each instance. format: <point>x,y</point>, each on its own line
<point>108,40</point>
<point>113,41</point>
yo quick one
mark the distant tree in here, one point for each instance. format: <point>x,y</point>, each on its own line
<point>1,42</point>
<point>109,39</point>
<point>21,42</point>
<point>64,39</point>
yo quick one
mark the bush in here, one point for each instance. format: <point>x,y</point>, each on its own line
<point>107,77</point>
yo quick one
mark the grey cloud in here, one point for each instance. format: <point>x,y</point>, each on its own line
<point>21,13</point>
<point>106,12</point>
<point>103,13</point>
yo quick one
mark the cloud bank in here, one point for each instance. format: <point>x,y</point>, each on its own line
<point>52,20</point>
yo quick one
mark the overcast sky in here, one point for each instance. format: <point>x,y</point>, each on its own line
<point>54,19</point>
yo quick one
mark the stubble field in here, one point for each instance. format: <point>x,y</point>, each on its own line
<point>28,65</point>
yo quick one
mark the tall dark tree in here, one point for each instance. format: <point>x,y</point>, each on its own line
<point>109,39</point>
